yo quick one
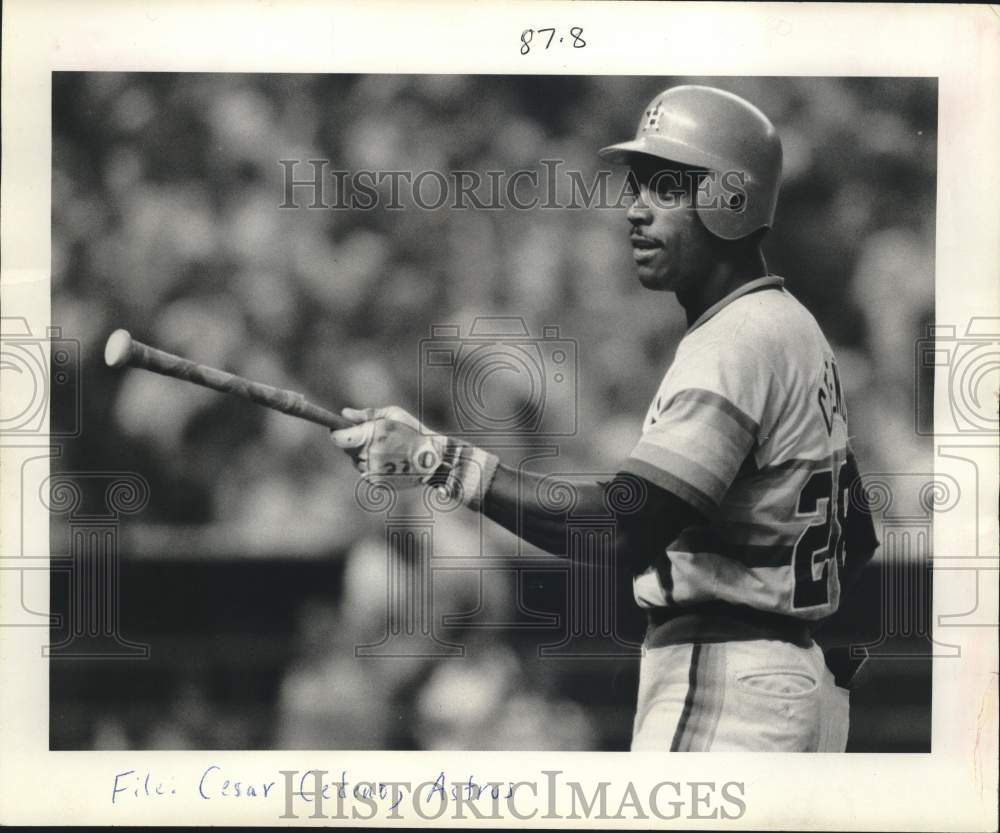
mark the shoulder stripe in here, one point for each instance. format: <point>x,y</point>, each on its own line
<point>665,480</point>
<point>681,466</point>
<point>700,396</point>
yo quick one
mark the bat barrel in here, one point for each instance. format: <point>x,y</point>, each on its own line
<point>121,350</point>
<point>118,349</point>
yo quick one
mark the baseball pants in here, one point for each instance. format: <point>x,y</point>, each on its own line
<point>753,696</point>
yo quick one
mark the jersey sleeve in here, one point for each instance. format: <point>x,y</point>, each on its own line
<point>714,408</point>
<point>646,531</point>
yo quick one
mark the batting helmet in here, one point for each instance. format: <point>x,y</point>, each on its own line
<point>719,132</point>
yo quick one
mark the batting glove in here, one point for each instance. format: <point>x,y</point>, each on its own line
<point>392,445</point>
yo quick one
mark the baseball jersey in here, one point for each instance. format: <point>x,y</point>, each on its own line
<point>749,426</point>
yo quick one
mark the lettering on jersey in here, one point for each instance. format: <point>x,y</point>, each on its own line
<point>830,395</point>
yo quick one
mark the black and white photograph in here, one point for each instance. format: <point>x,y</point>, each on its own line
<point>578,357</point>
<point>378,437</point>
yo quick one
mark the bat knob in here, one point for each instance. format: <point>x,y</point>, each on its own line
<point>118,349</point>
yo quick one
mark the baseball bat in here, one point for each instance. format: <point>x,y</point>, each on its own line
<point>122,350</point>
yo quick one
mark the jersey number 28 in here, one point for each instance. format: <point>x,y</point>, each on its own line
<point>821,542</point>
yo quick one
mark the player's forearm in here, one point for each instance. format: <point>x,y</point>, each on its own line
<point>645,517</point>
<point>513,501</point>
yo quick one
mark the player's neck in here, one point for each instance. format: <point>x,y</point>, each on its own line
<point>725,277</point>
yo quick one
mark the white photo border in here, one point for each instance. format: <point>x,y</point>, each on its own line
<point>952,788</point>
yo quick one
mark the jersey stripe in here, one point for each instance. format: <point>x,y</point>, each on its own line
<point>774,532</point>
<point>701,439</point>
<point>754,546</point>
<point>676,464</point>
<point>700,398</point>
<point>703,576</point>
<point>794,464</point>
<point>666,480</point>
<point>771,480</point>
<point>752,555</point>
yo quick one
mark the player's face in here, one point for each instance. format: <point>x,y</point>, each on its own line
<point>671,247</point>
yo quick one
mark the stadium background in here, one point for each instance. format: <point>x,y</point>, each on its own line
<point>253,572</point>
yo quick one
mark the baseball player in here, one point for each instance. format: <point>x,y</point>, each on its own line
<point>747,537</point>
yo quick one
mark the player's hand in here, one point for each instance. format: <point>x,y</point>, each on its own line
<point>391,444</point>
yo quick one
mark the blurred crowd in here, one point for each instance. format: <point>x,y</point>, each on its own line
<point>166,221</point>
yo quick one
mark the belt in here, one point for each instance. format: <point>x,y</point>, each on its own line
<point>719,621</point>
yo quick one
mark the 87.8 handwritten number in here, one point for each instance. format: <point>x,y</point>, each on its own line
<point>575,31</point>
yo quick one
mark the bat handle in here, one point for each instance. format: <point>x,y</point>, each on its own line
<point>297,405</point>
<point>287,401</point>
<point>314,413</point>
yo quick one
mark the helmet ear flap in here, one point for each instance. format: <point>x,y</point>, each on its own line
<point>725,204</point>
